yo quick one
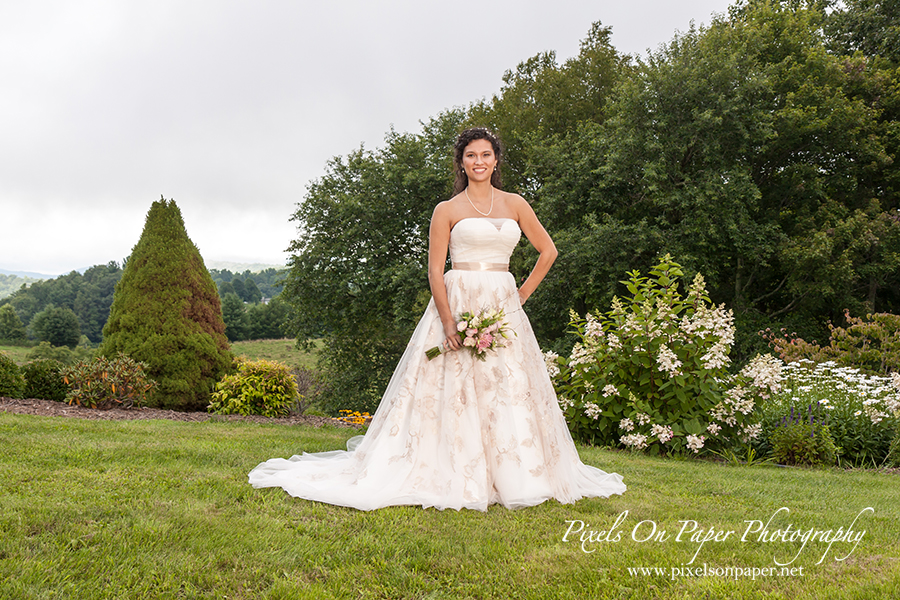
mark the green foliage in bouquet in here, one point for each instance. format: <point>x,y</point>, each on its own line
<point>653,372</point>
<point>44,380</point>
<point>803,439</point>
<point>12,383</point>
<point>166,313</point>
<point>107,383</point>
<point>260,387</point>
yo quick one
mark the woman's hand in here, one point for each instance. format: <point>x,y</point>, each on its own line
<point>522,297</point>
<point>452,341</point>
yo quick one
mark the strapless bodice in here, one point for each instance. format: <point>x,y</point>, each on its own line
<point>484,240</point>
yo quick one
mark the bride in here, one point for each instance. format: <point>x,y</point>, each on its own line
<point>456,431</point>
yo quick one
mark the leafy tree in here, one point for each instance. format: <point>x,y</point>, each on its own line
<point>166,313</point>
<point>235,317</point>
<point>239,289</point>
<point>541,99</point>
<point>252,293</point>
<point>359,269</point>
<point>225,288</point>
<point>89,295</point>
<point>59,326</point>
<point>870,26</point>
<point>11,327</point>
<point>269,321</point>
<point>751,154</point>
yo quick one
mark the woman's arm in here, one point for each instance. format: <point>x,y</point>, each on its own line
<point>438,244</point>
<point>540,239</point>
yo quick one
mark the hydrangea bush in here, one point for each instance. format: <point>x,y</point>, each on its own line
<point>653,372</point>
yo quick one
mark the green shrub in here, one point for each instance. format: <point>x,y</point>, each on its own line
<point>106,383</point>
<point>60,354</point>
<point>261,387</point>
<point>803,439</point>
<point>653,372</point>
<point>870,343</point>
<point>166,313</point>
<point>893,456</point>
<point>12,383</point>
<point>44,380</point>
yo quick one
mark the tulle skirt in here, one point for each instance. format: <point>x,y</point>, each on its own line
<point>455,432</point>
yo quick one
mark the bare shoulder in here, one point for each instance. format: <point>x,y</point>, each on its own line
<point>443,214</point>
<point>518,205</point>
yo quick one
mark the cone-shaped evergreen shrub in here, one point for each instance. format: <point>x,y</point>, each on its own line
<point>166,313</point>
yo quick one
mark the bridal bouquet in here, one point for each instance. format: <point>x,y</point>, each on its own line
<point>479,333</point>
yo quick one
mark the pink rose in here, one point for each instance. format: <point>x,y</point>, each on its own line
<point>485,341</point>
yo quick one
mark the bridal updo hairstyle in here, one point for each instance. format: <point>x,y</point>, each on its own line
<point>465,138</point>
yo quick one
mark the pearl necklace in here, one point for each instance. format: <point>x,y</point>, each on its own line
<point>484,214</point>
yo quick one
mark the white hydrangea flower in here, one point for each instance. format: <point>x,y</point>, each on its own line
<point>626,424</point>
<point>643,418</point>
<point>667,360</point>
<point>751,432</point>
<point>635,440</point>
<point>695,442</point>
<point>593,328</point>
<point>610,390</point>
<point>614,342</point>
<point>552,366</point>
<point>591,410</point>
<point>716,358</point>
<point>580,355</point>
<point>663,432</point>
<point>714,428</point>
<point>767,373</point>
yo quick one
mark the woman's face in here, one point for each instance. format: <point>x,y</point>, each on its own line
<point>479,160</point>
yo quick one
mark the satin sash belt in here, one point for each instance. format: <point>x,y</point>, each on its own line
<point>480,266</point>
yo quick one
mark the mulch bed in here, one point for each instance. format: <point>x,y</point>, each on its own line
<point>48,408</point>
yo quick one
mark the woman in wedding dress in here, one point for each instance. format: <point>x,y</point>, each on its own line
<point>456,431</point>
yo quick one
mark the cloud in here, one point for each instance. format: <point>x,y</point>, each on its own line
<point>231,108</point>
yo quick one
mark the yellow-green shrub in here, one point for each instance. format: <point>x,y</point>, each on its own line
<point>260,387</point>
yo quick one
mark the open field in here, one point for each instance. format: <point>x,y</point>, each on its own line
<point>19,354</point>
<point>281,350</point>
<point>284,351</point>
<point>159,509</point>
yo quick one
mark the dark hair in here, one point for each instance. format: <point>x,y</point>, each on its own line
<point>465,138</point>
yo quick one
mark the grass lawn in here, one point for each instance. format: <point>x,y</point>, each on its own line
<point>283,351</point>
<point>19,354</point>
<point>160,509</point>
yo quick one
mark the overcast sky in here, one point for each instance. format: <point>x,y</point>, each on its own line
<point>232,107</point>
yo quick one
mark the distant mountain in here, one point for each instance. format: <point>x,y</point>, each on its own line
<point>237,267</point>
<point>29,274</point>
<point>11,281</point>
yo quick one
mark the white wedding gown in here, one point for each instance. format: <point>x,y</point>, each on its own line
<point>456,432</point>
